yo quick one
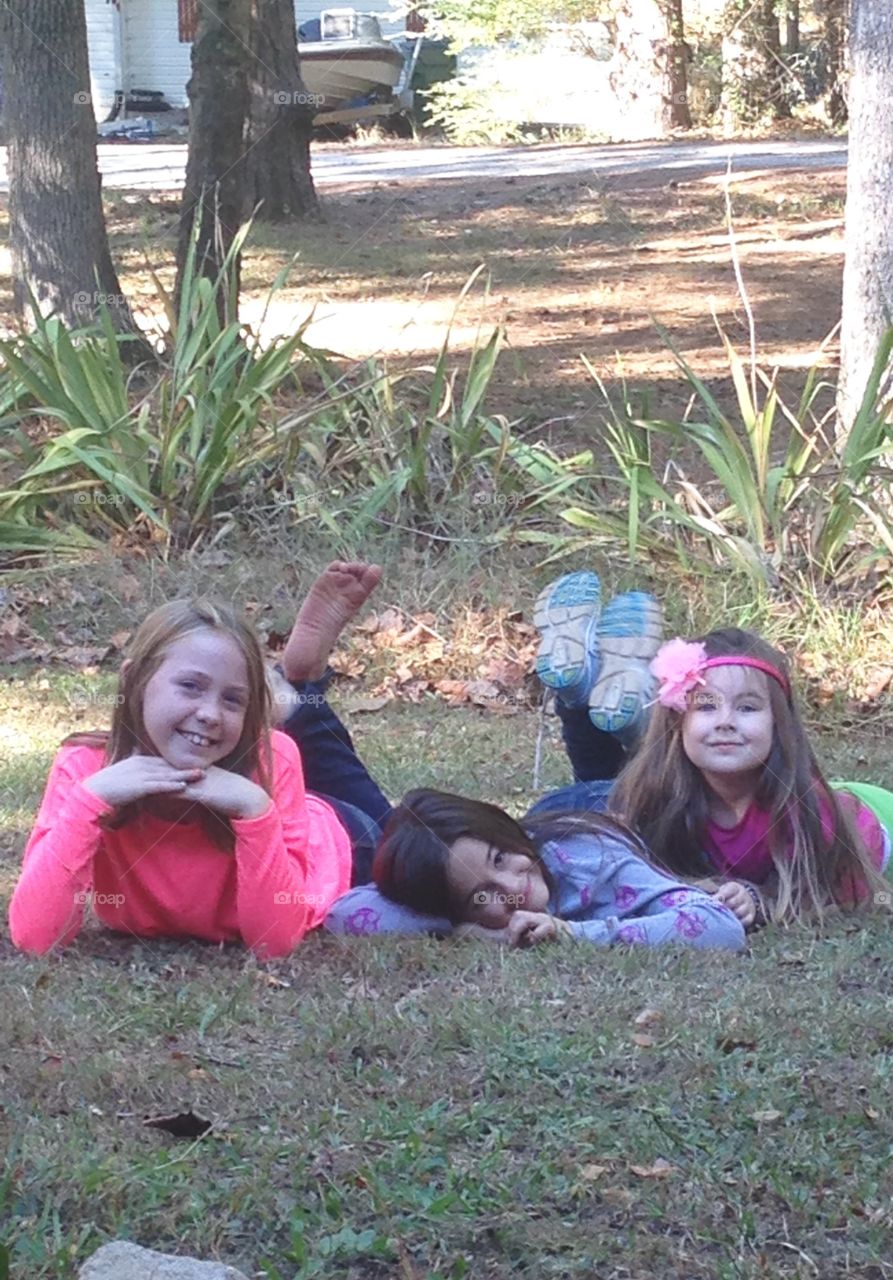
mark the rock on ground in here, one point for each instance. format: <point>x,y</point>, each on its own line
<point>121,1260</point>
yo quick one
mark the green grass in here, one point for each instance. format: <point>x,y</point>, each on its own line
<point>408,1108</point>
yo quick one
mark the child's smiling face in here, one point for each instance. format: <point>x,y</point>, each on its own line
<point>194,704</point>
<point>728,727</point>
<point>488,884</point>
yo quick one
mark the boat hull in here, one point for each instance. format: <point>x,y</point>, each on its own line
<point>339,71</point>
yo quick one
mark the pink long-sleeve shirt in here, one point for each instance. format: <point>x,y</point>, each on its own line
<point>745,849</point>
<point>153,877</point>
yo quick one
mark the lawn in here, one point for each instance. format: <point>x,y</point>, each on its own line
<point>424,1109</point>
<point>429,1110</point>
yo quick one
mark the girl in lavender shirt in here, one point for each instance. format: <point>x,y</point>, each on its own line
<point>448,863</point>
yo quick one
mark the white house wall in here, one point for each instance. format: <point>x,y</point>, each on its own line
<point>104,44</point>
<point>154,58</point>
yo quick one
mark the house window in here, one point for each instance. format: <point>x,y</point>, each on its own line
<point>187,13</point>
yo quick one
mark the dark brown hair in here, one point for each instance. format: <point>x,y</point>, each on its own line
<point>665,798</point>
<point>251,755</point>
<point>413,854</point>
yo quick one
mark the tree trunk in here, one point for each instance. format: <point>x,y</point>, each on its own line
<point>868,270</point>
<point>833,15</point>
<point>680,109</point>
<point>58,239</point>
<point>642,78</point>
<point>790,28</point>
<point>754,77</point>
<point>281,118</point>
<point>214,195</point>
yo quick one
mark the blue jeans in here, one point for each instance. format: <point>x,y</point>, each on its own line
<point>334,771</point>
<point>594,754</point>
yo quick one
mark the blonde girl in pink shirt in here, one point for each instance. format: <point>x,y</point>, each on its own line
<point>190,816</point>
<point>726,790</point>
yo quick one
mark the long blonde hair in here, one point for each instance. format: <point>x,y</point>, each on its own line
<point>665,799</point>
<point>165,625</point>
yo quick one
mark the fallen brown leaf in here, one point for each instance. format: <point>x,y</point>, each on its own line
<point>660,1169</point>
<point>648,1018</point>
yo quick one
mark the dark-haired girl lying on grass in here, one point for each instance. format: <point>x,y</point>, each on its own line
<point>447,862</point>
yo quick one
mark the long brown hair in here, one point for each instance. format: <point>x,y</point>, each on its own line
<point>413,854</point>
<point>665,799</point>
<point>168,623</point>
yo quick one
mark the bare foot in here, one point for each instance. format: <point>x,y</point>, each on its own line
<point>336,596</point>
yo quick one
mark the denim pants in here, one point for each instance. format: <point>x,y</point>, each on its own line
<point>334,771</point>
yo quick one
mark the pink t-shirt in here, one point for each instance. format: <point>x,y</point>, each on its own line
<point>152,877</point>
<point>743,850</point>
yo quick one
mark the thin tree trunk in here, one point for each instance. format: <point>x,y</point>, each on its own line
<point>58,239</point>
<point>681,111</point>
<point>790,28</point>
<point>868,270</point>
<point>641,78</point>
<point>833,16</point>
<point>281,118</point>
<point>214,196</point>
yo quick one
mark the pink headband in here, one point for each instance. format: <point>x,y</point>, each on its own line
<point>679,665</point>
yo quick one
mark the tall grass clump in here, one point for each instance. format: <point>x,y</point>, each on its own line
<point>775,492</point>
<point>92,447</point>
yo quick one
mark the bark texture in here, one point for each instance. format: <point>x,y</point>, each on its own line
<point>834,18</point>
<point>868,270</point>
<point>680,111</point>
<point>280,118</point>
<point>643,75</point>
<point>754,76</point>
<point>58,240</point>
<point>216,169</point>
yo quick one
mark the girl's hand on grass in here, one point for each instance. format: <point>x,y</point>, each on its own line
<point>227,793</point>
<point>129,780</point>
<point>739,900</point>
<point>527,928</point>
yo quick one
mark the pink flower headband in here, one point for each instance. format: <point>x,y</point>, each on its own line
<point>679,665</point>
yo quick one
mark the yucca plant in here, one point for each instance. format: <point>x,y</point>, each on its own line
<point>213,417</point>
<point>778,489</point>
<point>161,442</point>
<point>79,381</point>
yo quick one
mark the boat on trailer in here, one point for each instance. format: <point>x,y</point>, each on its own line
<point>352,71</point>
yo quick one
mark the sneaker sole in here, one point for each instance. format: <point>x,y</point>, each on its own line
<point>629,635</point>
<point>566,614</point>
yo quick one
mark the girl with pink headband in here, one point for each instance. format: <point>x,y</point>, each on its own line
<point>725,789</point>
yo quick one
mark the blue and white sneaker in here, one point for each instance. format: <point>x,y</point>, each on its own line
<point>628,636</point>
<point>566,615</point>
